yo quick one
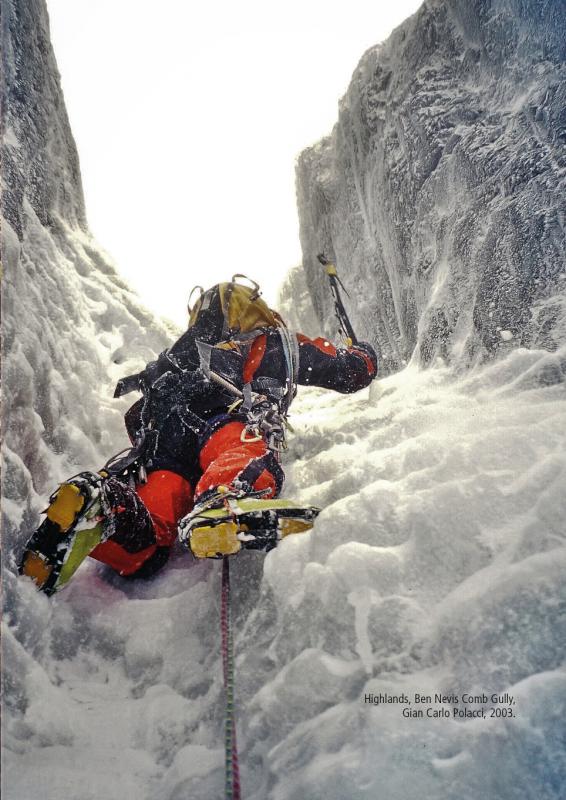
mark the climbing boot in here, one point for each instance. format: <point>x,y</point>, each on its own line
<point>227,522</point>
<point>71,530</point>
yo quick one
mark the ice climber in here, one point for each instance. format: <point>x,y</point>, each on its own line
<point>206,439</point>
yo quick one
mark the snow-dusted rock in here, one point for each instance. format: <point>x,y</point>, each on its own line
<point>71,326</point>
<point>440,192</point>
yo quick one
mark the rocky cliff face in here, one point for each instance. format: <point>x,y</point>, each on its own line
<point>70,325</point>
<point>440,192</point>
<point>37,136</point>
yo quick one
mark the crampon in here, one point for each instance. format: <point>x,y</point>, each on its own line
<point>229,523</point>
<point>71,530</point>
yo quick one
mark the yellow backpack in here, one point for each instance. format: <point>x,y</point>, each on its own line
<point>233,315</point>
<point>240,308</point>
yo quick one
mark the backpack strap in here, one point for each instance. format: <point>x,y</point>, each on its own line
<point>291,352</point>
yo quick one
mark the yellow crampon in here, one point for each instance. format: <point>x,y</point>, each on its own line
<point>82,545</point>
<point>212,542</point>
<point>66,505</point>
<point>244,523</point>
<point>37,567</point>
<point>73,527</point>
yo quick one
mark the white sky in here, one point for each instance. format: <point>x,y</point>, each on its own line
<point>188,119</point>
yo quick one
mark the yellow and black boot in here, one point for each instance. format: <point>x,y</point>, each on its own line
<point>226,523</point>
<point>73,527</point>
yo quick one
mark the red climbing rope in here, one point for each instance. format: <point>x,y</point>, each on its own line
<point>232,767</point>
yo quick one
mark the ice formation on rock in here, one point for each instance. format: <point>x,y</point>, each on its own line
<point>71,326</point>
<point>442,184</point>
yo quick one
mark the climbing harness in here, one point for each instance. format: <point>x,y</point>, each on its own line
<point>266,409</point>
<point>231,749</point>
<point>238,316</point>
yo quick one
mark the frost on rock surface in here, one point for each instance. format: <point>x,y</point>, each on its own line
<point>70,328</point>
<point>442,184</point>
<point>437,564</point>
<point>295,305</point>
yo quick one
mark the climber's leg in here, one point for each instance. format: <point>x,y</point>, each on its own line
<point>142,538</point>
<point>228,515</point>
<point>131,531</point>
<point>228,459</point>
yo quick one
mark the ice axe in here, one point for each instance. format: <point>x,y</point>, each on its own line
<point>341,315</point>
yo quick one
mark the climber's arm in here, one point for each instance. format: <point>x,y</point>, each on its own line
<point>345,370</point>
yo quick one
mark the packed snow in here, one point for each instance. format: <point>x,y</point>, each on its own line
<point>437,565</point>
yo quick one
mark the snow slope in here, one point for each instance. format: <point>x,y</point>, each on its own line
<point>438,564</point>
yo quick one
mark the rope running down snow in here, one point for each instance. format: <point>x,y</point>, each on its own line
<point>232,766</point>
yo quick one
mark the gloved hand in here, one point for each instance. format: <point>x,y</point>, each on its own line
<point>367,350</point>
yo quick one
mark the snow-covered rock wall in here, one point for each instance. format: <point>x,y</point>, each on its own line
<point>440,192</point>
<point>70,325</point>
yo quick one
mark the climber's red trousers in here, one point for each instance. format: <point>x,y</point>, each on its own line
<point>168,496</point>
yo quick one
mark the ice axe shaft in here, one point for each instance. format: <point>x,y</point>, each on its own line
<point>342,316</point>
<point>205,351</point>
